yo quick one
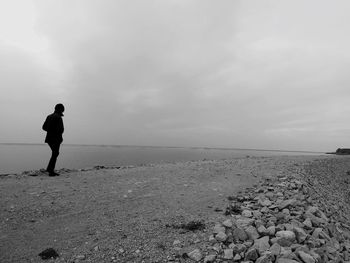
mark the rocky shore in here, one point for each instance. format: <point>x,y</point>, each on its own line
<point>299,218</point>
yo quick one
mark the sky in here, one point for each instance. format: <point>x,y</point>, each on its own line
<point>228,73</point>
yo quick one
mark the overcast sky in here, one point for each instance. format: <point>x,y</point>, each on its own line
<point>226,73</point>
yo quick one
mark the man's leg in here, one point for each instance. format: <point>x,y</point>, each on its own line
<point>55,147</point>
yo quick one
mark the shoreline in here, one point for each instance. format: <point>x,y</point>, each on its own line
<point>63,170</point>
<point>16,159</point>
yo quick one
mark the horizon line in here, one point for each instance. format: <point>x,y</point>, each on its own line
<point>176,147</point>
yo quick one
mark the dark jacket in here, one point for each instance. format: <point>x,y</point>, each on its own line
<point>53,125</point>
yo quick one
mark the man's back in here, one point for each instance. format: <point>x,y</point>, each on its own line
<point>53,125</point>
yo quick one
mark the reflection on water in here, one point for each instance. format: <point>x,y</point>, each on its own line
<point>16,158</point>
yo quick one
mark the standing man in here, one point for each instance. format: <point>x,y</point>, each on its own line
<point>53,125</point>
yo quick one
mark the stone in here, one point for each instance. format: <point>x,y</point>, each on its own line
<point>227,223</point>
<point>218,228</point>
<point>251,254</point>
<point>244,222</point>
<point>209,259</point>
<point>287,234</point>
<point>212,239</point>
<point>288,227</point>
<point>195,255</point>
<point>286,211</point>
<point>280,227</point>
<point>271,230</point>
<point>239,234</point>
<point>264,259</point>
<point>286,252</point>
<point>238,248</point>
<point>300,234</point>
<point>264,202</point>
<point>287,203</point>
<point>262,230</point>
<point>257,214</point>
<point>258,223</point>
<point>307,223</point>
<point>176,242</point>
<point>252,233</point>
<point>282,242</point>
<point>247,213</point>
<point>248,243</point>
<point>216,247</point>
<point>333,243</point>
<point>286,260</point>
<point>305,257</point>
<point>264,210</point>
<point>316,221</point>
<point>281,217</point>
<point>316,233</point>
<point>323,235</point>
<point>48,253</point>
<point>317,212</point>
<point>228,253</point>
<point>237,257</point>
<point>297,247</point>
<point>275,249</point>
<point>80,257</point>
<point>221,237</point>
<point>262,244</point>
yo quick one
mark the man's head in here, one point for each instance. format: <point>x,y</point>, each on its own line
<point>59,108</point>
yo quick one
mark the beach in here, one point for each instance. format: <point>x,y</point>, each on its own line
<point>135,213</point>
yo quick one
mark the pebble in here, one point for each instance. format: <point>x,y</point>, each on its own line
<point>221,237</point>
<point>195,255</point>
<point>176,243</point>
<point>209,259</point>
<point>228,253</point>
<point>80,257</point>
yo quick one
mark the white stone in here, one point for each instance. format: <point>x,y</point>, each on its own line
<point>228,223</point>
<point>195,255</point>
<point>305,257</point>
<point>262,244</point>
<point>247,213</point>
<point>228,253</point>
<point>209,259</point>
<point>252,233</point>
<point>218,228</point>
<point>221,237</point>
<point>289,235</point>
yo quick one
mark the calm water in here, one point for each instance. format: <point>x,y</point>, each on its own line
<point>17,158</point>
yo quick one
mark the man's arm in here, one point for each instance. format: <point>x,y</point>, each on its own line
<point>46,125</point>
<point>61,126</point>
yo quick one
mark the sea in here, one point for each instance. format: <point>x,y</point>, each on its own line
<point>16,158</point>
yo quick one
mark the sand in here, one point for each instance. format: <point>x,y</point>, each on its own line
<point>130,214</point>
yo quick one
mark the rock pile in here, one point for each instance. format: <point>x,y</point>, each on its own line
<point>276,222</point>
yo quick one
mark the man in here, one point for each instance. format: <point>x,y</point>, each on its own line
<point>53,125</point>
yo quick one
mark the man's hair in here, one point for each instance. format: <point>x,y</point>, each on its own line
<point>59,107</point>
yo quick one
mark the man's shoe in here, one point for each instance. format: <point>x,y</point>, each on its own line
<point>53,174</point>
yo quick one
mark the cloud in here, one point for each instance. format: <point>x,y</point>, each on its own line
<point>246,74</point>
<point>23,82</point>
<point>146,62</point>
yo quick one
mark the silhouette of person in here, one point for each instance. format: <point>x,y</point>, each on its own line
<point>53,125</point>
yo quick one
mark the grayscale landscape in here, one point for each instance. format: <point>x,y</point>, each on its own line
<point>174,131</point>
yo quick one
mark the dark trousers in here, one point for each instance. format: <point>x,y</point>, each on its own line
<point>55,148</point>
